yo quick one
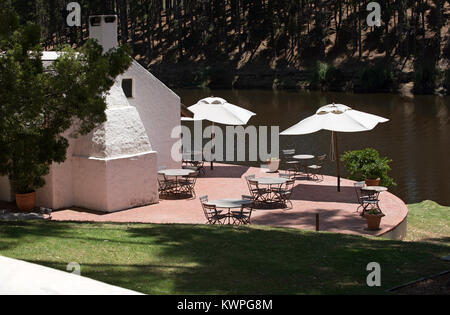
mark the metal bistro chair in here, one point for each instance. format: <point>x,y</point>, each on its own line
<point>247,179</point>
<point>253,189</point>
<point>316,169</point>
<point>212,215</point>
<point>369,200</point>
<point>258,194</point>
<point>188,183</point>
<point>243,216</point>
<point>361,195</point>
<point>289,163</point>
<point>164,184</point>
<point>285,193</point>
<point>197,166</point>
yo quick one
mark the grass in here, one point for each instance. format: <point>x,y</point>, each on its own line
<point>197,259</point>
<point>428,222</point>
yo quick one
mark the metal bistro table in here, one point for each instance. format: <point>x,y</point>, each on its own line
<point>304,158</point>
<point>372,199</point>
<point>229,204</point>
<point>178,174</point>
<point>272,196</point>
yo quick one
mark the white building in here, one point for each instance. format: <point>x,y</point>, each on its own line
<point>115,166</point>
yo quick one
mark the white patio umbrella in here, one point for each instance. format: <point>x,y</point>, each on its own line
<point>336,118</point>
<point>218,110</point>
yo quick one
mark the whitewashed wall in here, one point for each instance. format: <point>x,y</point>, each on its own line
<point>115,166</point>
<point>159,108</point>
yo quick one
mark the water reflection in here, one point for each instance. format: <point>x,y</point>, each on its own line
<point>417,137</point>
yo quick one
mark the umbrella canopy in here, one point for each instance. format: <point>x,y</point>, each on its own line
<point>190,119</point>
<point>336,118</point>
<point>218,110</point>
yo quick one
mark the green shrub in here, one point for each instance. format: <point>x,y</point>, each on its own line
<point>377,79</point>
<point>367,164</point>
<point>318,74</point>
<point>326,77</point>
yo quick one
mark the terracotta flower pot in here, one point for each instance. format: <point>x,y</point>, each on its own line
<point>372,182</point>
<point>373,221</point>
<point>26,202</point>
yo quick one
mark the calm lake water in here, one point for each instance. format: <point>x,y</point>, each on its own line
<point>417,137</point>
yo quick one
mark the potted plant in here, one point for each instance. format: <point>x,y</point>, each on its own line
<point>373,218</point>
<point>367,165</point>
<point>26,201</point>
<point>373,172</point>
<point>26,175</point>
<point>274,164</point>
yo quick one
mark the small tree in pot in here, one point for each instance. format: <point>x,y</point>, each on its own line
<point>40,103</point>
<point>367,165</point>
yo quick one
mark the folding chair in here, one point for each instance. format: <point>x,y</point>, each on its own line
<point>212,215</point>
<point>316,169</point>
<point>243,216</point>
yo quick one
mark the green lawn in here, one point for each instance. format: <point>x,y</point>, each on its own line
<point>428,221</point>
<point>195,259</point>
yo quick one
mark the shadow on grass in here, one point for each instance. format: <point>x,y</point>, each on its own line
<point>196,259</point>
<point>13,233</point>
<point>436,240</point>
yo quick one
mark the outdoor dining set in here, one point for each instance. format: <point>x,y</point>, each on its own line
<point>368,197</point>
<point>264,192</point>
<point>272,192</point>
<point>177,183</point>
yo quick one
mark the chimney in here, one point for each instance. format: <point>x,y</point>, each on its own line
<point>104,29</point>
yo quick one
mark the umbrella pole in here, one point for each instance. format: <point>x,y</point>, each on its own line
<point>337,161</point>
<point>213,149</point>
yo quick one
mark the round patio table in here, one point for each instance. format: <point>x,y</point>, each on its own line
<point>175,172</point>
<point>178,174</point>
<point>271,180</point>
<point>229,204</point>
<point>377,189</point>
<point>271,196</point>
<point>304,158</point>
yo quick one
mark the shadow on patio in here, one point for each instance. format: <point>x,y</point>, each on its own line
<point>323,193</point>
<point>228,171</point>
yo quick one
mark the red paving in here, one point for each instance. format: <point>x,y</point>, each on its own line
<point>336,209</point>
